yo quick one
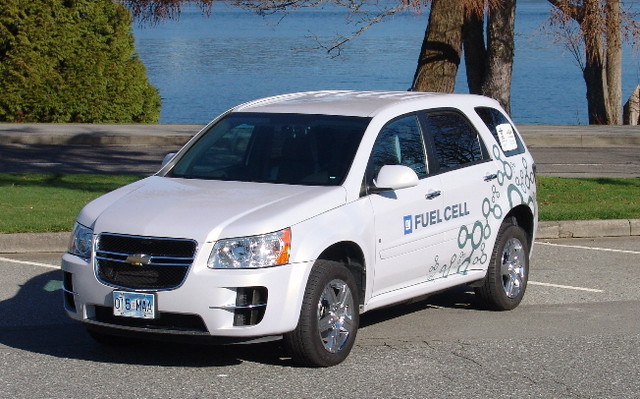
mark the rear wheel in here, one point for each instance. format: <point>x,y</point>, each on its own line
<point>329,317</point>
<point>508,272</point>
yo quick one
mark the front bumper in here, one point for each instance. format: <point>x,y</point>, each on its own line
<point>220,303</point>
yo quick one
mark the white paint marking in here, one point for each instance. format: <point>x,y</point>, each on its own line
<point>24,262</point>
<point>620,251</point>
<point>584,164</point>
<point>567,287</point>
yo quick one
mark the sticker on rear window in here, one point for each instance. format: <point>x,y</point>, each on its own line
<point>507,137</point>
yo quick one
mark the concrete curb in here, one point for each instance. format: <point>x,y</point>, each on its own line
<point>580,136</point>
<point>57,242</point>
<point>177,135</point>
<point>33,242</point>
<point>96,134</point>
<point>588,228</point>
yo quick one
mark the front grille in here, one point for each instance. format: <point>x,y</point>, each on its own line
<point>143,263</point>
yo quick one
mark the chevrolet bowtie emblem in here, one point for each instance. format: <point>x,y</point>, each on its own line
<point>138,260</point>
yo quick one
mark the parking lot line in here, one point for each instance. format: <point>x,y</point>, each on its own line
<point>620,251</point>
<point>566,287</point>
<point>23,262</point>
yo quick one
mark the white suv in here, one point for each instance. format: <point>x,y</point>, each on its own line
<point>290,216</point>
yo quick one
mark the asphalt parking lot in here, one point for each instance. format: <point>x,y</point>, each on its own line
<point>576,335</point>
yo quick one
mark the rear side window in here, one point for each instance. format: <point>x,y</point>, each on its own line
<point>455,141</point>
<point>502,130</point>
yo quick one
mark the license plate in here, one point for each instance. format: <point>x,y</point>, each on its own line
<point>134,304</point>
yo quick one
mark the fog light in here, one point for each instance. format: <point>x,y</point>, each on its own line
<point>67,289</point>
<point>251,305</point>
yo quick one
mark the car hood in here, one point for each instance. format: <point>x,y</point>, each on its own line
<point>206,210</point>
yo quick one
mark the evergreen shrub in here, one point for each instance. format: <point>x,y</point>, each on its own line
<point>72,61</point>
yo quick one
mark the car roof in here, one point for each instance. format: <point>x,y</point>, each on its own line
<point>356,103</point>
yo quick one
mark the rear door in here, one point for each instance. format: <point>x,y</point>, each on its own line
<point>469,193</point>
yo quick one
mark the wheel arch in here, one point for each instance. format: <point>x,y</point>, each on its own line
<point>522,216</point>
<point>350,254</point>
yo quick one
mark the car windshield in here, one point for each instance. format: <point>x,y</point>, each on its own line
<point>274,148</point>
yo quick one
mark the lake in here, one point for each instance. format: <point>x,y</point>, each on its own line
<point>204,65</point>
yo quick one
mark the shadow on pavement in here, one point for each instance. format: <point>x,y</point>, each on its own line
<point>461,297</point>
<point>34,321</point>
<point>142,160</point>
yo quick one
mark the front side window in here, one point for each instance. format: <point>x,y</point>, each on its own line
<point>455,141</point>
<point>400,142</point>
<point>275,148</point>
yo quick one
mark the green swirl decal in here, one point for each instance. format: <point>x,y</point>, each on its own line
<point>472,244</point>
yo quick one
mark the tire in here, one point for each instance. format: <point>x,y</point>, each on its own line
<point>329,317</point>
<point>508,272</point>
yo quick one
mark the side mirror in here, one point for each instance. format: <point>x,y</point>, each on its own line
<point>168,158</point>
<point>395,177</point>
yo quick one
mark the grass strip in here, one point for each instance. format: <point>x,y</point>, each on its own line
<point>588,198</point>
<point>50,202</point>
<point>39,203</point>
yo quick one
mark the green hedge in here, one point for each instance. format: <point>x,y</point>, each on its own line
<point>72,61</point>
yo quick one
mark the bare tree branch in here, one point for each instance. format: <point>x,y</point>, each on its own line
<point>153,11</point>
<point>568,8</point>
<point>365,13</point>
<point>377,19</point>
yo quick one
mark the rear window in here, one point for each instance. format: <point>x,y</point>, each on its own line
<point>502,130</point>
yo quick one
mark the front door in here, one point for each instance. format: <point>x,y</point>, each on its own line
<point>407,224</point>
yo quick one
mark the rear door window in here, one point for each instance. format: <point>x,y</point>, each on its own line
<point>455,142</point>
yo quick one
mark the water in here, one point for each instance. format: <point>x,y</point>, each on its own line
<point>205,65</point>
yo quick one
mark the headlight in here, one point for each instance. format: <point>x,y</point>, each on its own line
<point>252,252</point>
<point>81,239</point>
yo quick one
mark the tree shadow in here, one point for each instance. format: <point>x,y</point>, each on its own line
<point>34,321</point>
<point>108,159</point>
<point>75,182</point>
<point>461,297</point>
<point>612,181</point>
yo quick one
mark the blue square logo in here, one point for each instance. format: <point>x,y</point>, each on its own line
<point>408,226</point>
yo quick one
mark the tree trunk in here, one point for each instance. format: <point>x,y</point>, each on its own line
<point>602,72</point>
<point>594,71</point>
<point>594,78</point>
<point>631,112</point>
<point>614,61</point>
<point>441,48</point>
<point>501,45</point>
<point>475,52</point>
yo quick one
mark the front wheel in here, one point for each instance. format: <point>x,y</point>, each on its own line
<point>329,317</point>
<point>508,272</point>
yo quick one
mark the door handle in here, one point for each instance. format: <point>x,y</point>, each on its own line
<point>432,195</point>
<point>490,177</point>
